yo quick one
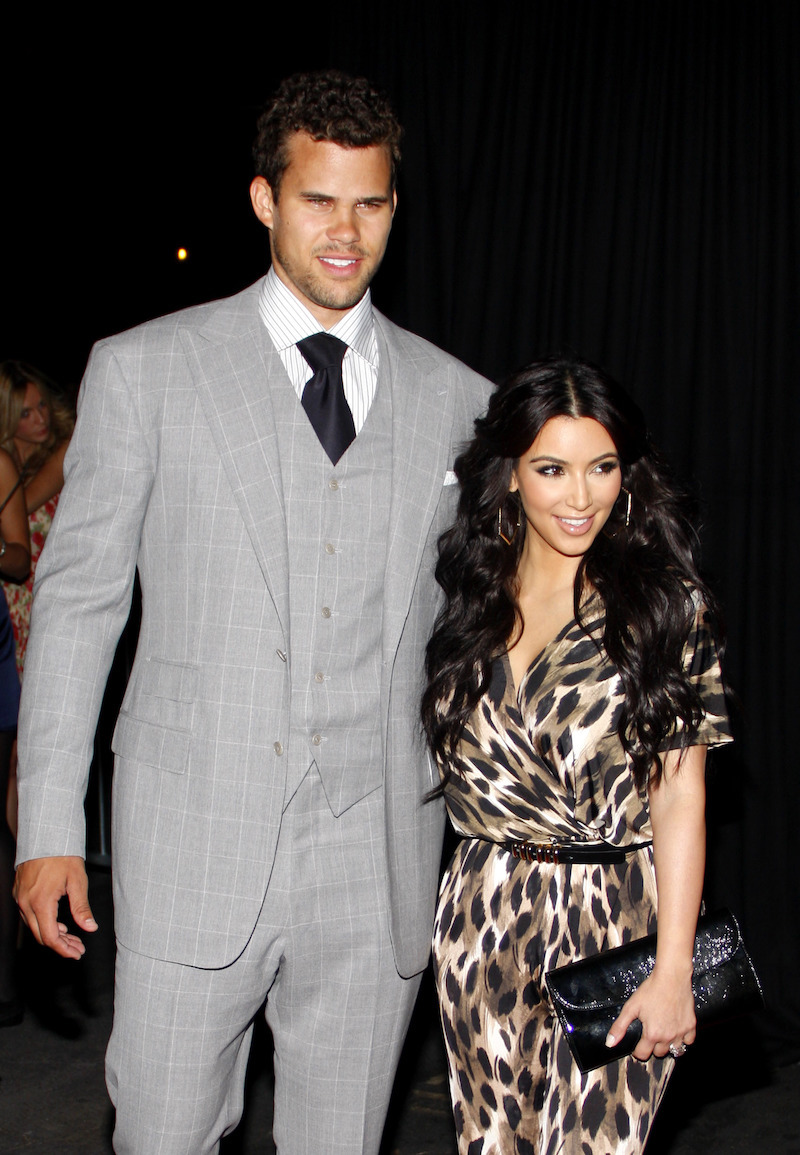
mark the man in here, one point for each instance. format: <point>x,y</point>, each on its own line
<point>270,835</point>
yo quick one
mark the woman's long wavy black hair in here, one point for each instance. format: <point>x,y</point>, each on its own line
<point>644,572</point>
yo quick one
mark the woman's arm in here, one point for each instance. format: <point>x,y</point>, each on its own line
<point>15,543</point>
<point>664,1003</point>
<point>48,481</point>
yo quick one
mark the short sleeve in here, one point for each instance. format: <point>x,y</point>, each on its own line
<point>701,662</point>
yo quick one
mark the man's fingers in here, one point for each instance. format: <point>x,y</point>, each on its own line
<point>79,907</point>
<point>56,936</point>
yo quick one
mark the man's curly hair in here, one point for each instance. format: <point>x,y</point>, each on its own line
<point>327,105</point>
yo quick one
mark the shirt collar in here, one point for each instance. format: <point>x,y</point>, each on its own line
<point>288,320</point>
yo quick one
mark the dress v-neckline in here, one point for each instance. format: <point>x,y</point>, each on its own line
<point>554,641</point>
<point>559,637</point>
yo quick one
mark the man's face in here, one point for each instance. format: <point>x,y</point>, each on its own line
<point>329,226</point>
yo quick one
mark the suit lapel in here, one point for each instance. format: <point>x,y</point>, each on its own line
<point>232,366</point>
<point>422,402</point>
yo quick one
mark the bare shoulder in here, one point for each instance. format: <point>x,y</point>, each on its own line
<point>8,470</point>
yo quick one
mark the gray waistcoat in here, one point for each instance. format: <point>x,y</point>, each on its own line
<point>337,523</point>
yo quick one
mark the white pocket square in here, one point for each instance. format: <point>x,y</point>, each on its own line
<point>450,478</point>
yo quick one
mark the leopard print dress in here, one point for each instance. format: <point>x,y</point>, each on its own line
<point>543,763</point>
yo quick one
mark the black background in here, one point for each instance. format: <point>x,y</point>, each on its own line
<point>615,179</point>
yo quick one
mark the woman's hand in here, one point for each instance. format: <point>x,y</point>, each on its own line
<point>664,1005</point>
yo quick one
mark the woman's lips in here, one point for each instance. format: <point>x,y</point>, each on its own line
<point>575,526</point>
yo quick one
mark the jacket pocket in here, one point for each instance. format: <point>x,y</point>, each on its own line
<point>151,744</point>
<point>163,693</point>
<point>175,681</point>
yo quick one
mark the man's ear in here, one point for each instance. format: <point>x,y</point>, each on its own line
<point>262,200</point>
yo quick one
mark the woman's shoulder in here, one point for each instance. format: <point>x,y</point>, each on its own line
<point>8,468</point>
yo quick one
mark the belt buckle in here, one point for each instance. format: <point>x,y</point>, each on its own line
<point>536,852</point>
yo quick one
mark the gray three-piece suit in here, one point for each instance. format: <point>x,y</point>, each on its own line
<point>286,607</point>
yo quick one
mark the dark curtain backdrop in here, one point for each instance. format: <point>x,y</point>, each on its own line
<point>616,179</point>
<point>621,180</point>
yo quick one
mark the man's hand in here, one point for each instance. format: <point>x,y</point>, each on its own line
<point>39,885</point>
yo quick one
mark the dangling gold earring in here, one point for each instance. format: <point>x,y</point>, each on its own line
<point>628,506</point>
<point>507,540</point>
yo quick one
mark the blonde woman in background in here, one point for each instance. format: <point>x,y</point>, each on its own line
<point>35,428</point>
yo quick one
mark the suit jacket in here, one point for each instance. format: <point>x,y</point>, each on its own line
<point>174,469</point>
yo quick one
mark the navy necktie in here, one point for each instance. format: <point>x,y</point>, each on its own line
<point>323,397</point>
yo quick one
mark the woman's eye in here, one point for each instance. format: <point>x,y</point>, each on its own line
<point>549,470</point>
<point>606,467</point>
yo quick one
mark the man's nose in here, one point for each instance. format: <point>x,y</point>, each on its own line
<point>343,225</point>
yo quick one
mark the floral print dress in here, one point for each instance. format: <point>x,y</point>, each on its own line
<point>19,595</point>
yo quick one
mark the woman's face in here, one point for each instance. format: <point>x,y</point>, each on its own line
<point>567,482</point>
<point>33,427</point>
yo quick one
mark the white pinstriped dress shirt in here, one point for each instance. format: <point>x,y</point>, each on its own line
<point>288,321</point>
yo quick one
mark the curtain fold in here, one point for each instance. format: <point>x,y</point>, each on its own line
<point>621,180</point>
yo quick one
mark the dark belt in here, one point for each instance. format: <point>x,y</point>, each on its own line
<point>569,852</point>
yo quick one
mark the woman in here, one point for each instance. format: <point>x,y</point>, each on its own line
<point>14,563</point>
<point>35,428</point>
<point>573,688</point>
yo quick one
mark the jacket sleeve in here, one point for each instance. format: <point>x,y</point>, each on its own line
<point>82,597</point>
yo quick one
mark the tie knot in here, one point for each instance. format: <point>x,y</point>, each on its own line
<point>322,350</point>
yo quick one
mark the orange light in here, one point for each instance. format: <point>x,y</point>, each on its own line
<point>182,254</point>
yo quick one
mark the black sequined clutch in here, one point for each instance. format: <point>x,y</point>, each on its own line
<point>589,994</point>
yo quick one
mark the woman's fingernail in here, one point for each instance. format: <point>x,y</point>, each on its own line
<point>610,1040</point>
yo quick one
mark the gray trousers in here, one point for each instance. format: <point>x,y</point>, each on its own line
<point>338,1010</point>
